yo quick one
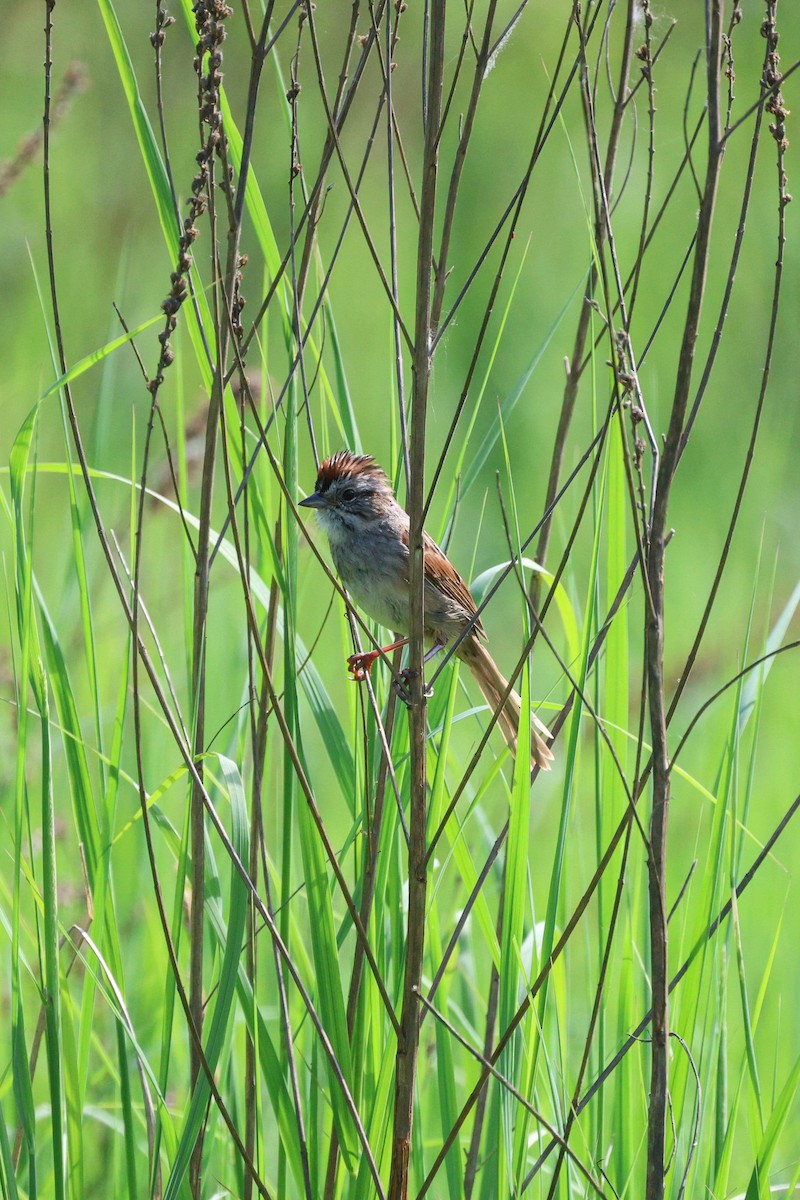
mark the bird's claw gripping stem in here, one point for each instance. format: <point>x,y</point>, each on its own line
<point>402,688</point>
<point>360,665</point>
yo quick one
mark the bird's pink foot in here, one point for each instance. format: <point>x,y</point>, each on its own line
<point>360,665</point>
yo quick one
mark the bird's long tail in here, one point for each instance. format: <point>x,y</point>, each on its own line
<point>493,685</point>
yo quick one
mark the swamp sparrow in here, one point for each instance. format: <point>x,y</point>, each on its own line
<point>368,535</point>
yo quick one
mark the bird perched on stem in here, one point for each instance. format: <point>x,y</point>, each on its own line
<point>368,534</point>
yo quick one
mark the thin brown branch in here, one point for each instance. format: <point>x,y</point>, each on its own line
<point>654,628</point>
<point>510,216</point>
<point>488,1065</point>
<point>368,238</point>
<point>594,1018</point>
<point>408,1040</point>
<point>584,319</point>
<point>768,76</point>
<point>713,928</point>
<point>451,203</point>
<point>341,103</point>
<point>211,33</point>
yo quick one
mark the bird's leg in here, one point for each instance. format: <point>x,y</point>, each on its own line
<point>360,665</point>
<point>433,650</point>
<point>406,673</point>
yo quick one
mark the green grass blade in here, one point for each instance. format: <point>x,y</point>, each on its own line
<point>91,360</point>
<point>752,1061</point>
<point>74,1099</point>
<point>35,675</point>
<point>483,582</point>
<point>81,790</point>
<point>126,1107</point>
<point>758,1188</point>
<point>148,147</point>
<point>343,411</point>
<point>8,1175</point>
<point>756,679</point>
<point>328,983</point>
<point>51,980</point>
<point>223,1010</point>
<point>515,910</point>
<point>445,1065</point>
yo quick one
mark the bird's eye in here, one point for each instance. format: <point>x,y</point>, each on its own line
<point>348,494</point>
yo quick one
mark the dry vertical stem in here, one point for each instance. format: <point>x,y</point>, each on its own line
<point>211,34</point>
<point>408,1038</point>
<point>584,320</point>
<point>654,629</point>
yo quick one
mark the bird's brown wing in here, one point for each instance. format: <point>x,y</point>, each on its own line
<point>449,581</point>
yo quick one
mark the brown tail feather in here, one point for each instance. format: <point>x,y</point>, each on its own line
<point>493,685</point>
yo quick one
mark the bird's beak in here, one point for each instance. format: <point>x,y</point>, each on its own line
<point>315,500</point>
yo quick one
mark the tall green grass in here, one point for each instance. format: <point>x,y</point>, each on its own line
<point>536,968</point>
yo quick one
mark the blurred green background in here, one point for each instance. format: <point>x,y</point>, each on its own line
<point>109,249</point>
